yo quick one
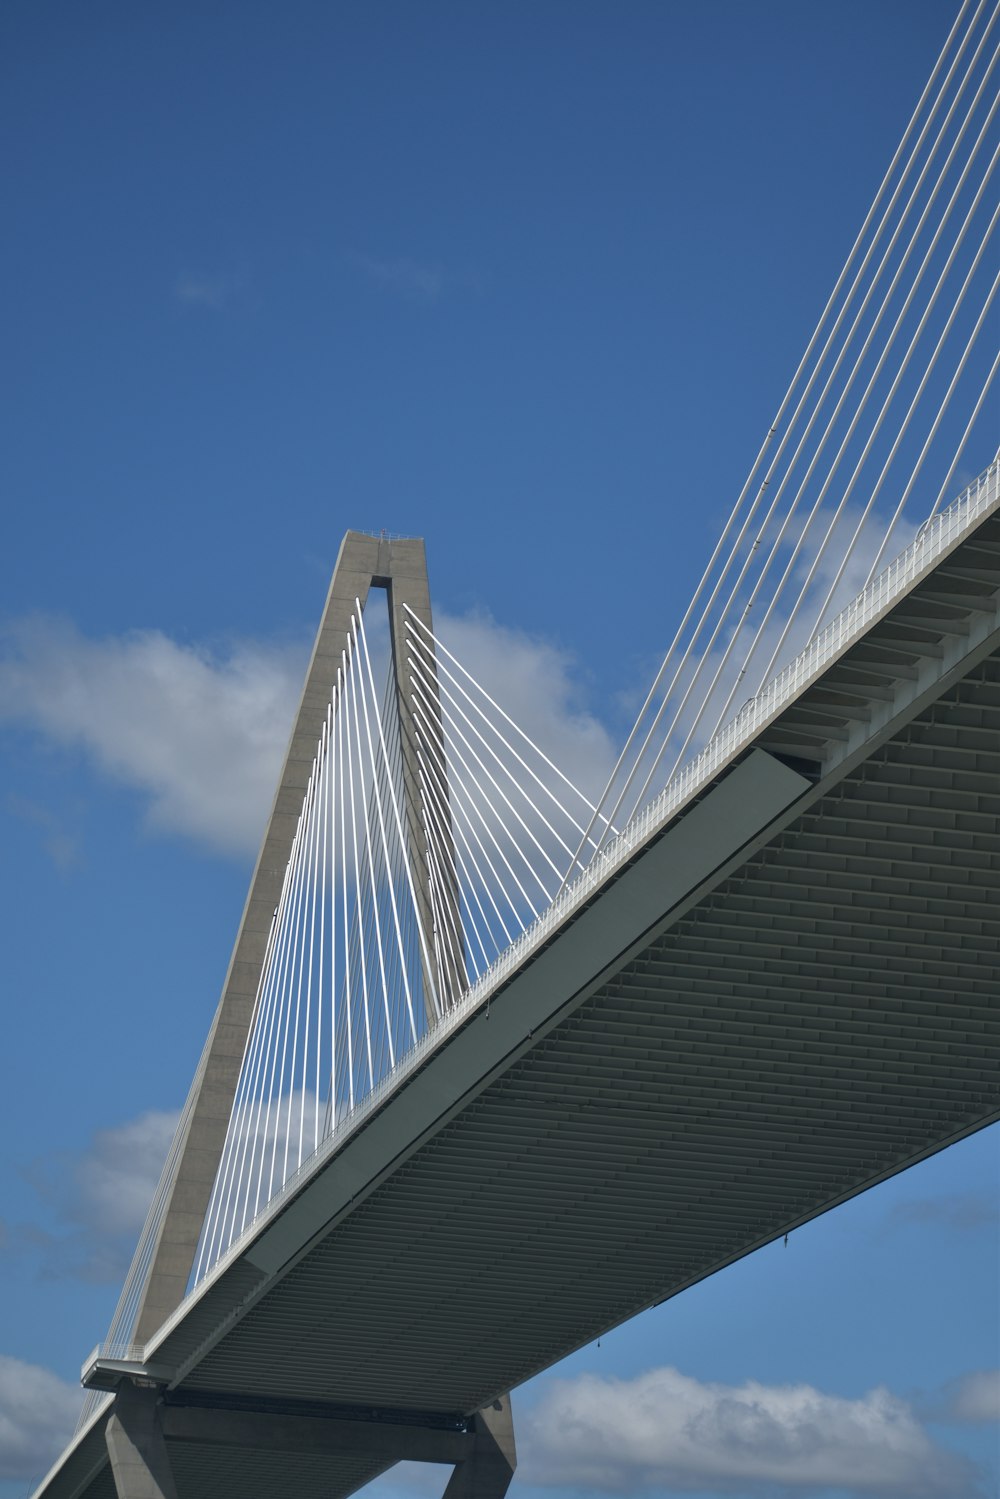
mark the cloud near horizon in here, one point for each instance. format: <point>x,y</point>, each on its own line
<point>200,731</point>
<point>37,1414</point>
<point>97,1198</point>
<point>965,1212</point>
<point>663,1432</point>
<point>971,1400</point>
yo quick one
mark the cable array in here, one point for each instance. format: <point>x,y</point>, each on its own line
<point>502,821</point>
<point>347,980</point>
<point>431,833</point>
<point>118,1343</point>
<point>885,413</point>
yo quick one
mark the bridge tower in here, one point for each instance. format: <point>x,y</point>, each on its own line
<point>484,1453</point>
<point>364,562</point>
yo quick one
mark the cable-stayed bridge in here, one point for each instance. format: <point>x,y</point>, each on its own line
<point>499,1064</point>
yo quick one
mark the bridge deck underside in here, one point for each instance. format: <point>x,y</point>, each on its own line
<point>823,1017</point>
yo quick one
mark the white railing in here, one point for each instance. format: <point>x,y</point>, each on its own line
<point>126,1353</point>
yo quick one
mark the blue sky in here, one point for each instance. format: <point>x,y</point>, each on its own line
<point>527,280</point>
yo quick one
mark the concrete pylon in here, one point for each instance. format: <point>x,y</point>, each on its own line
<point>407,587</point>
<point>364,562</point>
<point>487,1472</point>
<point>147,1424</point>
<point>136,1446</point>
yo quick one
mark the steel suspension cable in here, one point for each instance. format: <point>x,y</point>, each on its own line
<point>483,795</point>
<point>457,731</point>
<point>838,408</point>
<point>956,306</point>
<point>820,553</point>
<point>657,682</point>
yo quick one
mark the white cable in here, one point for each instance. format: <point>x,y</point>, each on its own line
<point>320,989</point>
<point>364,793</point>
<point>471,805</point>
<point>965,435</point>
<point>293,985</point>
<point>406,863</point>
<point>438,647</point>
<point>444,780</point>
<point>349,695</point>
<point>381,823</point>
<point>830,423</point>
<point>878,422</point>
<point>392,768</point>
<point>484,797</point>
<point>660,675</point>
<point>245,1145</point>
<point>237,1164</point>
<point>457,731</point>
<point>441,848</point>
<point>446,935</point>
<point>906,421</point>
<point>218,1187</point>
<point>776,497</point>
<point>274,1118</point>
<point>269,1053</point>
<point>308,919</point>
<point>313,901</point>
<point>469,884</point>
<point>346,988</point>
<point>448,912</point>
<point>332,858</point>
<point>505,768</point>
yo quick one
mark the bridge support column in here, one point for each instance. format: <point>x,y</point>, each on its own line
<point>483,1454</point>
<point>137,1448</point>
<point>487,1471</point>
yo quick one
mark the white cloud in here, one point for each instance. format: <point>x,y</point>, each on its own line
<point>99,1197</point>
<point>411,1480</point>
<point>62,846</point>
<point>199,732</point>
<point>818,575</point>
<point>265,1145</point>
<point>539,684</point>
<point>966,1211</point>
<point>37,1414</point>
<point>972,1400</point>
<point>663,1431</point>
<point>113,1182</point>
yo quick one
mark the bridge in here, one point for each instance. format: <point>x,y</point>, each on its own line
<point>497,1066</point>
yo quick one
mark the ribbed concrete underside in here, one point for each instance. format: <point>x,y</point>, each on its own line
<point>825,1016</point>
